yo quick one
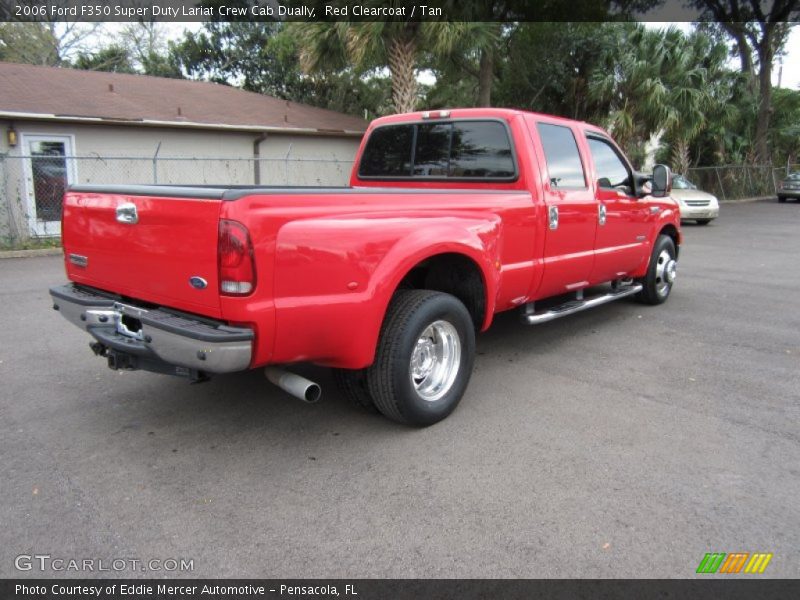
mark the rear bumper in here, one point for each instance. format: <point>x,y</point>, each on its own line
<point>154,338</point>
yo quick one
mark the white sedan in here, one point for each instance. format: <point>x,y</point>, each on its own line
<point>695,204</point>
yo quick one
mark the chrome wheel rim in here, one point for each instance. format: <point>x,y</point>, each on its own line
<point>435,360</point>
<point>666,272</point>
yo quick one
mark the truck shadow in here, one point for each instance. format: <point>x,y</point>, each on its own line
<point>251,402</point>
<point>168,417</point>
<point>508,332</point>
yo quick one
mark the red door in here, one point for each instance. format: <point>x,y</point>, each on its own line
<point>621,239</point>
<point>571,211</point>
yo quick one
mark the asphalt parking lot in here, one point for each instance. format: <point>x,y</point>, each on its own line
<point>626,441</point>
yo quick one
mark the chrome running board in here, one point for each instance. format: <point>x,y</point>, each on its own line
<point>531,317</point>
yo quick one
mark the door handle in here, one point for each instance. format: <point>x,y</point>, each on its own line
<point>553,217</point>
<point>126,213</point>
<point>601,214</point>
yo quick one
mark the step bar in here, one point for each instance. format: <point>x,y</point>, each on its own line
<point>531,317</point>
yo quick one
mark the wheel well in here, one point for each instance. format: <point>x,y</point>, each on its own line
<point>453,274</point>
<point>672,232</point>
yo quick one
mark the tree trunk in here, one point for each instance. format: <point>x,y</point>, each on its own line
<point>402,60</point>
<point>486,77</point>
<point>765,57</point>
<point>745,56</point>
<point>680,156</point>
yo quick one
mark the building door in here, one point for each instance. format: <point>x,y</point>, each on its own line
<point>49,169</point>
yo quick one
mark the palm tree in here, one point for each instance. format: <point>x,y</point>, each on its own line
<point>630,85</point>
<point>666,83</point>
<point>686,76</point>
<point>373,45</point>
<point>474,51</point>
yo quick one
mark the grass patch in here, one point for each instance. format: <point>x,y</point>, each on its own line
<point>32,244</point>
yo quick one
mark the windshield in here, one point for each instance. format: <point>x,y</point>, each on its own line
<point>679,182</point>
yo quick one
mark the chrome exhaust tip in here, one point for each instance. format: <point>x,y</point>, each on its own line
<point>295,385</point>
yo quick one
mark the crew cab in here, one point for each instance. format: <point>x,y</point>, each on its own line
<point>450,218</point>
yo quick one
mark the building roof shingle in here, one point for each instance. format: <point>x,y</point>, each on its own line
<point>72,93</point>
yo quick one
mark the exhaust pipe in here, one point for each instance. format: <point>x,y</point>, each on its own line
<point>294,384</point>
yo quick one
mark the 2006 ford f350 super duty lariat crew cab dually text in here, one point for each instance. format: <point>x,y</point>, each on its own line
<point>450,217</point>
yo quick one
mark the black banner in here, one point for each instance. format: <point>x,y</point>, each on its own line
<point>347,10</point>
<point>395,589</point>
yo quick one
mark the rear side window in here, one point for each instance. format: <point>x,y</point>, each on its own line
<point>388,152</point>
<point>440,150</point>
<point>564,166</point>
<point>481,149</point>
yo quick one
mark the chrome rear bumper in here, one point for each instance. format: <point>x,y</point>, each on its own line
<point>156,337</point>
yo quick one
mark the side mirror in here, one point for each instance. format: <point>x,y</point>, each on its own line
<point>662,181</point>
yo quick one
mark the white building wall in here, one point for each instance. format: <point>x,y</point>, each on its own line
<point>110,140</point>
<point>125,154</point>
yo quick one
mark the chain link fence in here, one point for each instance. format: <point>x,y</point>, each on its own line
<point>739,182</point>
<point>31,187</point>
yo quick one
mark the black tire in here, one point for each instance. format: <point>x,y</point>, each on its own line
<point>657,287</point>
<point>781,198</point>
<point>703,221</point>
<point>389,379</point>
<point>353,386</point>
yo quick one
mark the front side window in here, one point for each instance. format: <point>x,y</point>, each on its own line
<point>440,150</point>
<point>564,166</point>
<point>612,172</point>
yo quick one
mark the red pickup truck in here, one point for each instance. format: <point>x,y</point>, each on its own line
<point>450,217</point>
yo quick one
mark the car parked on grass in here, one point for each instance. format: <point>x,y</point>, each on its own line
<point>789,187</point>
<point>695,204</point>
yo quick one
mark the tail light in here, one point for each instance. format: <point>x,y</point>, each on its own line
<point>237,268</point>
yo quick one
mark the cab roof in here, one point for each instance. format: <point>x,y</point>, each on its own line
<point>506,114</point>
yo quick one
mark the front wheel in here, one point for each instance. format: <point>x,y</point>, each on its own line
<point>424,358</point>
<point>661,272</point>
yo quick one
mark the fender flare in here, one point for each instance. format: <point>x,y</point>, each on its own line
<point>410,251</point>
<point>666,218</point>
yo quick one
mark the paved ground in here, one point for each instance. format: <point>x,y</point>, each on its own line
<point>623,442</point>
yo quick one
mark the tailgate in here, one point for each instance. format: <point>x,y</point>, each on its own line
<point>152,248</point>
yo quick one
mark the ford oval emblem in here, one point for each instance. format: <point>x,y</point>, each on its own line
<point>198,282</point>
